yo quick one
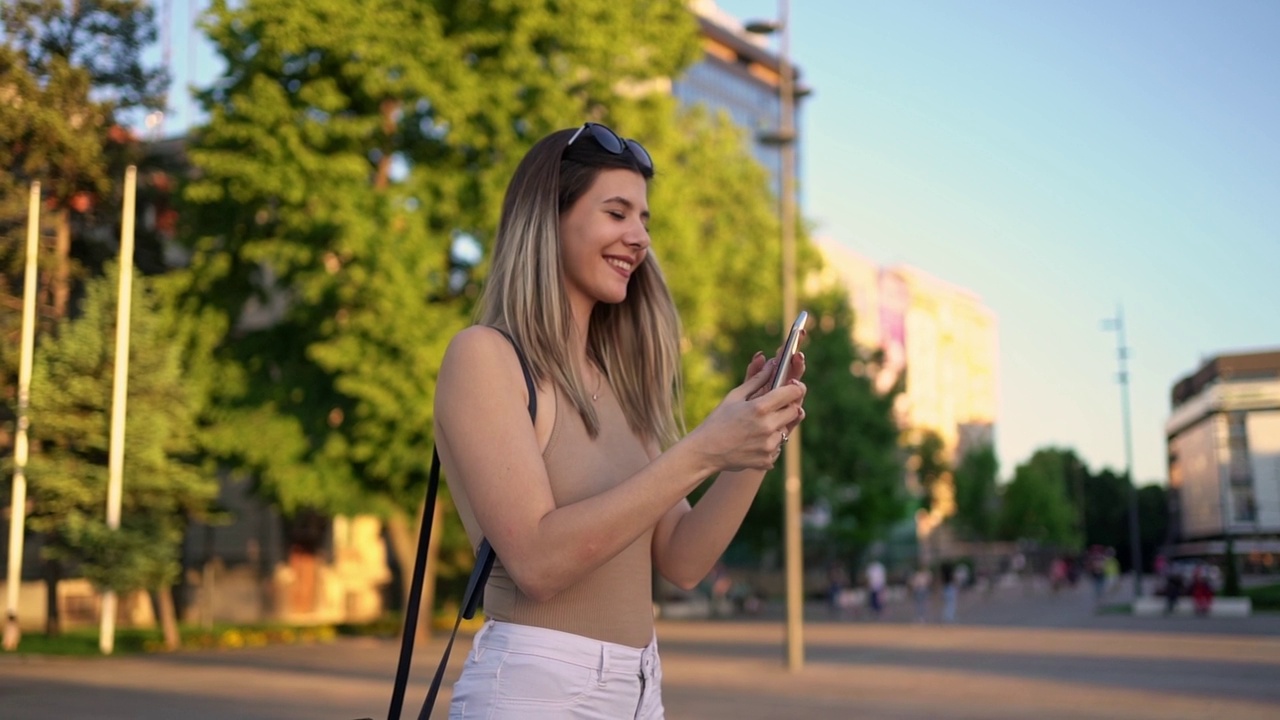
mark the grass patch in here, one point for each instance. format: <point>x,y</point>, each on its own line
<point>1264,597</point>
<point>1114,609</point>
<point>387,626</point>
<point>83,642</point>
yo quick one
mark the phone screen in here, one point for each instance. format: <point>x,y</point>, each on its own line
<point>789,349</point>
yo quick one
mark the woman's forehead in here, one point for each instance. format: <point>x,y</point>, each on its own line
<point>618,185</point>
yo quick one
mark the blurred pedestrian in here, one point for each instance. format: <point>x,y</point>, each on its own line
<point>1111,570</point>
<point>1094,566</point>
<point>1201,591</point>
<point>837,583</point>
<point>920,581</point>
<point>875,587</point>
<point>1057,573</point>
<point>1172,589</point>
<point>949,580</point>
<point>582,505</point>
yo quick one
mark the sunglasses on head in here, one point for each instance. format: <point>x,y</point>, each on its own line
<point>611,143</point>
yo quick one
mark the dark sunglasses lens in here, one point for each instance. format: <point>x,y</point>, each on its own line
<point>640,154</point>
<point>606,138</point>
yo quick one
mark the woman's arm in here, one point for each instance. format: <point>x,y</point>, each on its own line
<point>689,540</point>
<point>495,459</point>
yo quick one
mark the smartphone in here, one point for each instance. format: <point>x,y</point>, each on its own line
<point>788,350</point>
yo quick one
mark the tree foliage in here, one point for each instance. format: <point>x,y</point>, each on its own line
<point>932,469</point>
<point>347,145</point>
<point>68,73</point>
<point>977,493</point>
<point>850,459</point>
<point>164,484</point>
<point>1036,505</point>
<point>1061,501</point>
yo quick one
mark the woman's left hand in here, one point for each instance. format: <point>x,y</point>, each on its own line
<point>794,372</point>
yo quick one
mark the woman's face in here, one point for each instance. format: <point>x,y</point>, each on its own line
<point>604,237</point>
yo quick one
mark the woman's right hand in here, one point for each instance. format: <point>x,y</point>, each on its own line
<point>746,432</point>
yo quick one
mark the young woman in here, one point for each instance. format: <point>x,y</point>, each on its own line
<point>583,503</point>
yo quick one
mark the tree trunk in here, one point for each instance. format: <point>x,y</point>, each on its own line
<point>53,621</point>
<point>432,569</point>
<point>168,617</point>
<point>404,542</point>
<point>62,265</point>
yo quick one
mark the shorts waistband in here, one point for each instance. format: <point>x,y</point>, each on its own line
<point>567,647</point>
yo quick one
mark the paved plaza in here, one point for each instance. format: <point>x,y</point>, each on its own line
<point>1013,654</point>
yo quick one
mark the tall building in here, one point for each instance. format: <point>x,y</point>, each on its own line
<point>1224,458</point>
<point>739,75</point>
<point>950,352</point>
<point>942,342</point>
<point>938,334</point>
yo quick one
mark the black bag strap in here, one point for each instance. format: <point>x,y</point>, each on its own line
<point>475,585</point>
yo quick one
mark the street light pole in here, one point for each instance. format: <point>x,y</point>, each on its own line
<point>18,507</point>
<point>785,138</point>
<point>1116,325</point>
<point>119,396</point>
<point>791,460</point>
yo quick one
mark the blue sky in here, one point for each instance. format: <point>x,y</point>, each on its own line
<point>1057,159</point>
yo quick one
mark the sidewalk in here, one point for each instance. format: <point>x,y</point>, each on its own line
<point>1067,664</point>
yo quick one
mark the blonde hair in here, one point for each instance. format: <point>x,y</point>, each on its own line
<point>636,342</point>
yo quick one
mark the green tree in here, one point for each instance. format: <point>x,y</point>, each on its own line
<point>69,72</point>
<point>977,493</point>
<point>1153,521</point>
<point>349,145</point>
<point>849,441</point>
<point>1105,509</point>
<point>1036,505</point>
<point>716,233</point>
<point>932,468</point>
<point>164,485</point>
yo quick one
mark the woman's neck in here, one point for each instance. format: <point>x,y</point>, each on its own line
<point>580,309</point>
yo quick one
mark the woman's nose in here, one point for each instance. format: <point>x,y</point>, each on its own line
<point>638,239</point>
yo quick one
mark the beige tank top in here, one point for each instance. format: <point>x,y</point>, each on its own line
<point>615,602</point>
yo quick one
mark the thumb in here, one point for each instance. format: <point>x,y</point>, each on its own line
<point>757,381</point>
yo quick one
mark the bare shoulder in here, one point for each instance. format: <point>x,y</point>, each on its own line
<point>479,357</point>
<point>476,343</point>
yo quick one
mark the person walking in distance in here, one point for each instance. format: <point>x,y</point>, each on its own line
<point>949,579</point>
<point>875,587</point>
<point>920,591</point>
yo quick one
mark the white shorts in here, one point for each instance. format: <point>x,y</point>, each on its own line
<point>518,671</point>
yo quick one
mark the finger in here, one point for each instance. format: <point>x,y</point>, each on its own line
<point>757,364</point>
<point>750,387</point>
<point>799,418</point>
<point>786,394</point>
<point>796,370</point>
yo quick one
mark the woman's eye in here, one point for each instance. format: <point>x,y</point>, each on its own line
<point>617,215</point>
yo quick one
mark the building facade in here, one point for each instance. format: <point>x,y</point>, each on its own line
<point>939,337</point>
<point>941,342</point>
<point>1223,439</point>
<point>739,75</point>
